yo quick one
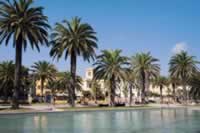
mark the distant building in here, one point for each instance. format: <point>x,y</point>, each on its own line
<point>38,91</point>
<point>87,86</point>
<point>87,81</point>
<point>154,91</point>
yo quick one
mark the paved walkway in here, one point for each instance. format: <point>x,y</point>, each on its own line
<point>42,107</point>
<point>57,108</point>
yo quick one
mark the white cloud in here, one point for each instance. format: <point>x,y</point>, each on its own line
<point>181,46</point>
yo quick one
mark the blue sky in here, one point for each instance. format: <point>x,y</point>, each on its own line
<point>159,26</point>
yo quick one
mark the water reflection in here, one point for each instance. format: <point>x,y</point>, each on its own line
<point>140,121</point>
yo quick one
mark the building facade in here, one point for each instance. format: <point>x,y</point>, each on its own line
<point>121,91</point>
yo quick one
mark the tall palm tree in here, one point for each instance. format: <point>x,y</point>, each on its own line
<point>160,82</point>
<point>43,71</point>
<point>24,23</point>
<point>145,67</point>
<point>183,67</point>
<point>73,38</point>
<point>110,67</point>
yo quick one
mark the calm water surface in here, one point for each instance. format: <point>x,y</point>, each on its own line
<point>138,121</point>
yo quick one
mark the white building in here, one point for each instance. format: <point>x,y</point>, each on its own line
<point>87,86</point>
<point>87,81</point>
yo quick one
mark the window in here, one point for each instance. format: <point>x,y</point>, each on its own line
<point>89,74</point>
<point>89,85</point>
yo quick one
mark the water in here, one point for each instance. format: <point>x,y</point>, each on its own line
<point>138,121</point>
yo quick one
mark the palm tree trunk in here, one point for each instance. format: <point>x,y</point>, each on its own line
<point>147,86</point>
<point>6,94</point>
<point>17,81</point>
<point>73,74</point>
<point>42,87</point>
<point>185,94</point>
<point>138,94</point>
<point>143,87</point>
<point>161,95</point>
<point>95,95</point>
<point>131,95</point>
<point>112,95</point>
<point>174,91</point>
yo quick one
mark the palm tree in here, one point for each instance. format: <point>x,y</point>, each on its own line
<point>73,38</point>
<point>131,84</point>
<point>194,82</point>
<point>7,70</point>
<point>25,82</point>
<point>174,83</point>
<point>183,67</point>
<point>53,85</point>
<point>24,23</point>
<point>43,71</point>
<point>65,82</point>
<point>96,89</point>
<point>160,82</point>
<point>125,91</point>
<point>110,67</point>
<point>145,67</point>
